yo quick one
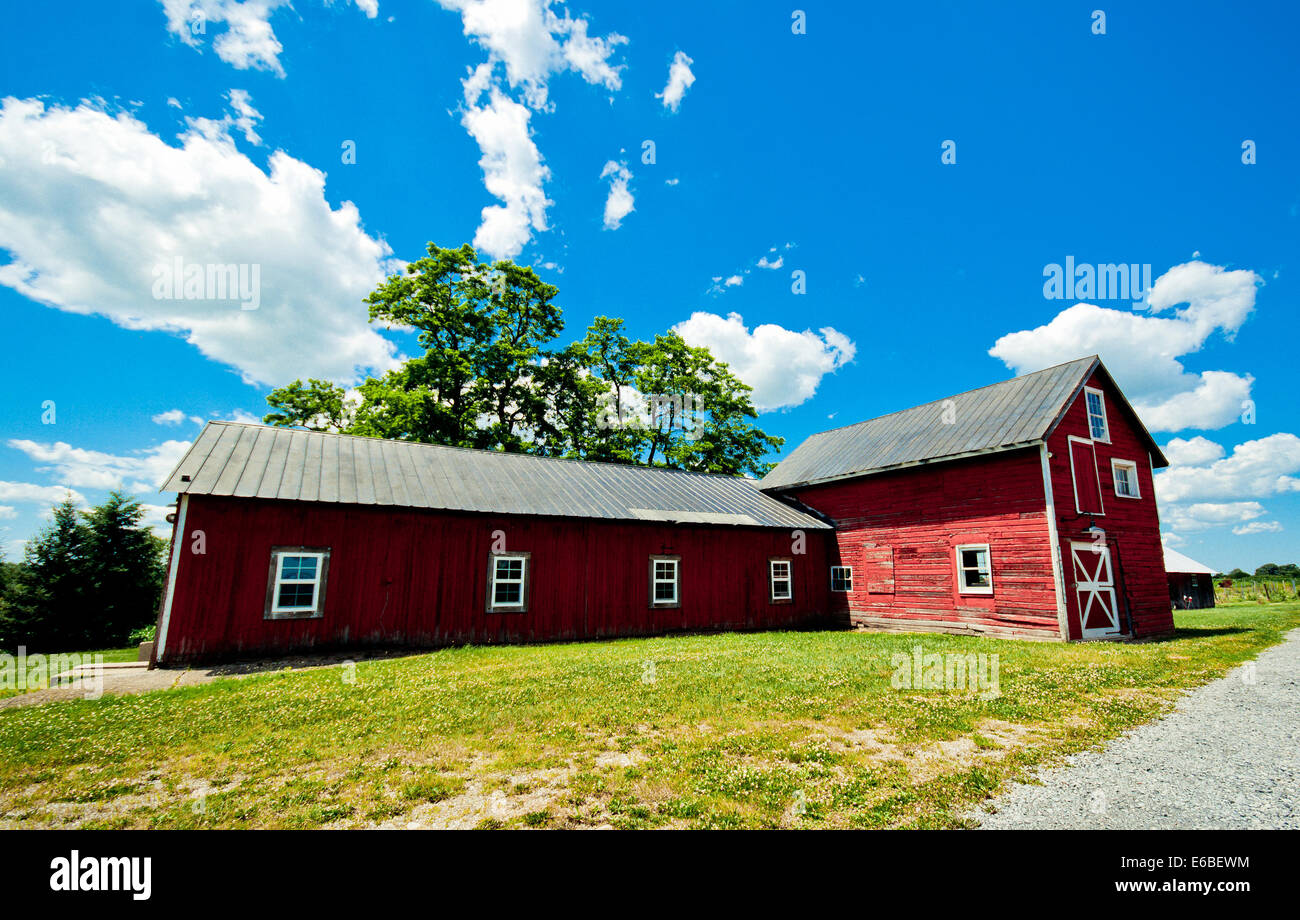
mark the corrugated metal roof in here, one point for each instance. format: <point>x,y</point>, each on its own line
<point>1015,412</point>
<point>1177,562</point>
<point>255,461</point>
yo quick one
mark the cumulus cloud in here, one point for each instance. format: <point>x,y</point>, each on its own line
<point>1197,451</point>
<point>532,43</point>
<point>619,203</point>
<point>771,264</point>
<point>1142,349</point>
<point>1254,469</point>
<point>244,37</point>
<point>246,117</point>
<point>93,207</point>
<point>784,367</point>
<point>513,172</point>
<point>680,79</point>
<point>1204,515</point>
<point>31,492</point>
<point>141,471</point>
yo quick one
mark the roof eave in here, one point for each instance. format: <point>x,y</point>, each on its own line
<point>858,474</point>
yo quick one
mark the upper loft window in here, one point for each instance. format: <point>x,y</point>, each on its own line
<point>1097,426</point>
<point>508,582</point>
<point>841,578</point>
<point>974,572</point>
<point>296,587</point>
<point>665,581</point>
<point>1125,474</point>
<point>781,580</point>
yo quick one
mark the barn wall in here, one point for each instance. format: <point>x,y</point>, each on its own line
<point>408,577</point>
<point>1132,525</point>
<point>913,519</point>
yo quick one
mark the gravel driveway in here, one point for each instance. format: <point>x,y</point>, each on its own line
<point>1227,757</point>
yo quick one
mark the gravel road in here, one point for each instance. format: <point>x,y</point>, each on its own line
<point>1227,757</point>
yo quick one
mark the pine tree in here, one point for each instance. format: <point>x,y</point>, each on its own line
<point>124,570</point>
<point>47,608</point>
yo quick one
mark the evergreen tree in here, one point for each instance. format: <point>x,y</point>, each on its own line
<point>124,570</point>
<point>48,608</point>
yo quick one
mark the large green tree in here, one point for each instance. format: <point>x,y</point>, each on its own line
<point>489,376</point>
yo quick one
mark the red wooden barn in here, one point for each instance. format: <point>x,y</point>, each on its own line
<point>1024,509</point>
<point>1021,509</point>
<point>288,540</point>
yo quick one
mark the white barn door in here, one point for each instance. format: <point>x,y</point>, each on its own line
<point>1094,580</point>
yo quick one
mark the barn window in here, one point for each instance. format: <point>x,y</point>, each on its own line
<point>1125,474</point>
<point>296,584</point>
<point>665,581</point>
<point>782,581</point>
<point>1097,415</point>
<point>508,582</point>
<point>841,578</point>
<point>974,573</point>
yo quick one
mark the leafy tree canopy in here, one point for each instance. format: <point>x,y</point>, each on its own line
<point>491,376</point>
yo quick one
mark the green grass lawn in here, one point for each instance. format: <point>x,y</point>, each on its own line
<point>110,655</point>
<point>781,729</point>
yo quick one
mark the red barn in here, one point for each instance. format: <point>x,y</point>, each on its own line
<point>1022,509</point>
<point>289,540</point>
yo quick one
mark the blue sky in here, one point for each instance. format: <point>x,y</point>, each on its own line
<point>216,131</point>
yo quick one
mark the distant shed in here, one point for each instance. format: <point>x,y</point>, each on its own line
<point>1191,584</point>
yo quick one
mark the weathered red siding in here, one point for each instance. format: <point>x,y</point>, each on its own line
<point>920,515</point>
<point>1132,525</point>
<point>408,577</point>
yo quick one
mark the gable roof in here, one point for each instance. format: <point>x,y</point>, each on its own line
<point>1015,413</point>
<point>256,461</point>
<point>1177,562</point>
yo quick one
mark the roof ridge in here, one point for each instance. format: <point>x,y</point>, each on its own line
<point>953,396</point>
<point>482,450</point>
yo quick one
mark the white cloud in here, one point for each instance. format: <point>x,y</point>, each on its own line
<point>248,418</point>
<point>1204,515</point>
<point>30,492</point>
<point>8,512</point>
<point>784,367</point>
<point>175,417</point>
<point>513,171</point>
<point>1197,451</point>
<point>142,471</point>
<point>1142,350</point>
<point>734,281</point>
<point>532,44</point>
<point>619,203</point>
<point>1254,469</point>
<point>246,117</point>
<point>771,265</point>
<point>92,206</point>
<point>680,79</point>
<point>1257,527</point>
<point>247,41</point>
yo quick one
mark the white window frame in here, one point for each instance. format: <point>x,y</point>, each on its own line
<point>1132,467</point>
<point>276,579</point>
<point>773,579</point>
<point>962,587</point>
<point>1104,437</point>
<point>521,606</point>
<point>675,581</point>
<point>847,578</point>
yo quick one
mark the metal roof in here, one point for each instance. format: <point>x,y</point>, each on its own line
<point>256,461</point>
<point>1177,562</point>
<point>1014,413</point>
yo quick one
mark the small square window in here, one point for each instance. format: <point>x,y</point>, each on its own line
<point>1125,474</point>
<point>781,580</point>
<point>1097,425</point>
<point>974,571</point>
<point>841,578</point>
<point>665,581</point>
<point>508,582</point>
<point>296,583</point>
